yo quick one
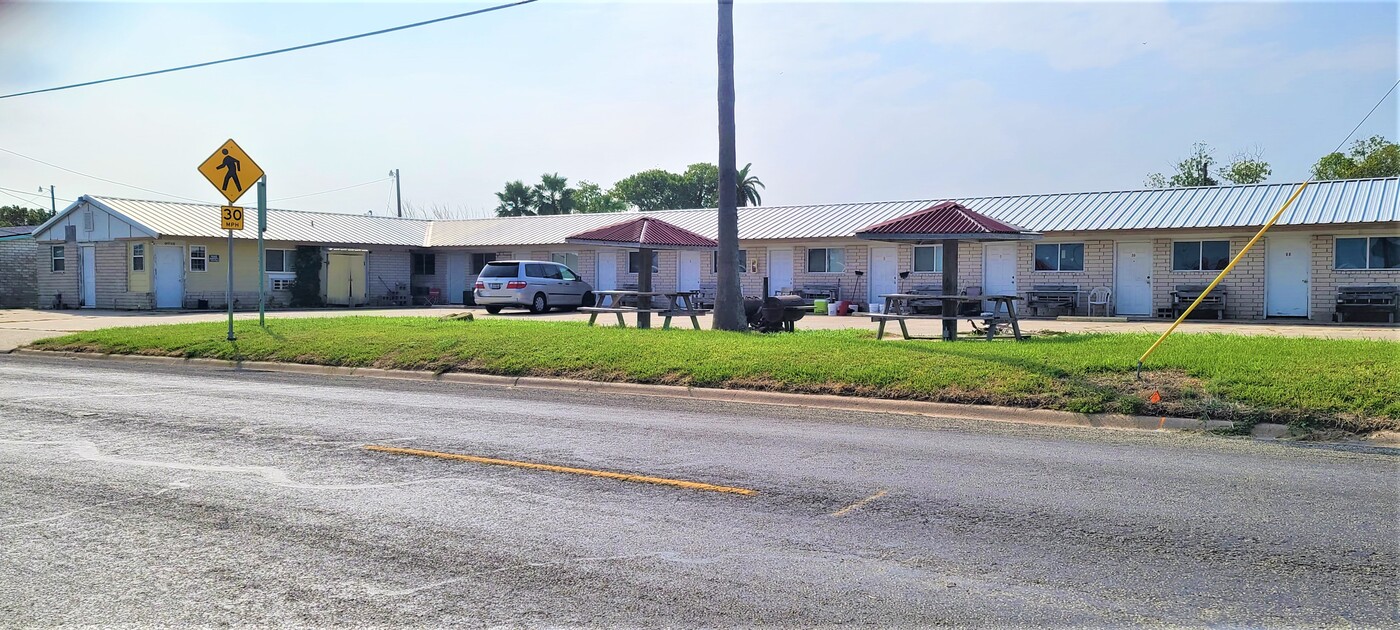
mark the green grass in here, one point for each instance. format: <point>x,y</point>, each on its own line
<point>1352,384</point>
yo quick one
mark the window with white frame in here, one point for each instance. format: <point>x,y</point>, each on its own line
<point>199,258</point>
<point>57,258</point>
<point>138,257</point>
<point>743,261</point>
<point>1059,257</point>
<point>634,262</point>
<point>826,260</point>
<point>568,259</point>
<point>1200,255</point>
<point>928,258</point>
<point>1376,252</point>
<point>278,260</point>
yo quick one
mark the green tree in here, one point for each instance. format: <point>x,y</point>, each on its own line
<point>20,215</point>
<point>1195,170</point>
<point>553,195</point>
<point>591,198</point>
<point>1372,157</point>
<point>653,189</point>
<point>748,187</point>
<point>700,185</point>
<point>517,200</point>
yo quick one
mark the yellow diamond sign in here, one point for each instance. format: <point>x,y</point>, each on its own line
<point>231,171</point>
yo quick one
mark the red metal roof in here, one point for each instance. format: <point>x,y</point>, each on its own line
<point>644,232</point>
<point>948,217</point>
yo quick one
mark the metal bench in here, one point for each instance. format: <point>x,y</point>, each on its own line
<point>812,292</point>
<point>1053,297</point>
<point>1367,299</point>
<point>1185,294</point>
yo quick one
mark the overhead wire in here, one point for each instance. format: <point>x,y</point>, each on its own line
<point>274,52</point>
<point>101,179</point>
<point>323,192</point>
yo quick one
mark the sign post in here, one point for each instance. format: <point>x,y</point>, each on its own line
<point>262,253</point>
<point>230,165</point>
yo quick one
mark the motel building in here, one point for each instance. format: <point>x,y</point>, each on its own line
<point>112,253</point>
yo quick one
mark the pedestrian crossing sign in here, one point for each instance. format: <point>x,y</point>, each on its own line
<point>231,171</point>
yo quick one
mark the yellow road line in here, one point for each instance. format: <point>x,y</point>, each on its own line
<point>606,474</point>
<point>847,510</point>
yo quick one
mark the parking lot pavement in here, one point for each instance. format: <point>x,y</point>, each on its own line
<point>22,326</point>
<point>139,495</point>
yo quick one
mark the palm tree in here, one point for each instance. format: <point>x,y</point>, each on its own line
<point>554,195</point>
<point>748,187</point>
<point>729,301</point>
<point>517,200</point>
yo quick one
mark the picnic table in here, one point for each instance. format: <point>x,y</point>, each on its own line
<point>899,307</point>
<point>678,304</point>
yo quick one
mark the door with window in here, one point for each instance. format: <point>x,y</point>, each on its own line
<point>1132,279</point>
<point>884,273</point>
<point>1287,267</point>
<point>779,270</point>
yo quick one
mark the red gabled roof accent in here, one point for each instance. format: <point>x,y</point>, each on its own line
<point>647,232</point>
<point>948,217</point>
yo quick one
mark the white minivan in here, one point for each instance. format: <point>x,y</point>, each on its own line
<point>534,284</point>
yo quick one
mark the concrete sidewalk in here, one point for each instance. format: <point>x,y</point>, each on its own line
<point>22,326</point>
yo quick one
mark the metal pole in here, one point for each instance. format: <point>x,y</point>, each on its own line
<point>398,192</point>
<point>262,253</point>
<point>53,201</point>
<point>229,296</point>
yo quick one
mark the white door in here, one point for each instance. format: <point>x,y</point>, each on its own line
<point>606,279</point>
<point>999,269</point>
<point>170,276</point>
<point>779,270</point>
<point>1132,283</point>
<point>884,273</point>
<point>688,270</point>
<point>1287,265</point>
<point>456,276</point>
<point>89,262</point>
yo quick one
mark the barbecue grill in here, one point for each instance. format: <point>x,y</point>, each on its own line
<point>774,314</point>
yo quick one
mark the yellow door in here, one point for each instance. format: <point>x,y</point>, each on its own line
<point>345,278</point>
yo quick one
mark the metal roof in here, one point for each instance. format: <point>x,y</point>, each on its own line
<point>1330,202</point>
<point>646,232</point>
<point>16,231</point>
<point>168,218</point>
<point>948,217</point>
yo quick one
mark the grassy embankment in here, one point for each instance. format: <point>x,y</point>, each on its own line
<point>1350,384</point>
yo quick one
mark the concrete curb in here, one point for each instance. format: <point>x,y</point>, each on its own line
<point>983,413</point>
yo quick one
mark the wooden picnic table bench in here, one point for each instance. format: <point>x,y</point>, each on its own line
<point>1384,300</point>
<point>678,304</point>
<point>898,308</point>
<point>1185,294</point>
<point>1052,297</point>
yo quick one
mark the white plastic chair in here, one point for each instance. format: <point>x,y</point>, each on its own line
<point>1100,296</point>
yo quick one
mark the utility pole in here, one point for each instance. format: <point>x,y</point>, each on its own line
<point>53,201</point>
<point>398,191</point>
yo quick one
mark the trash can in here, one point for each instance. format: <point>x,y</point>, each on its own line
<point>469,297</point>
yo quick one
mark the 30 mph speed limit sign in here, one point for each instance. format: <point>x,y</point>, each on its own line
<point>233,218</point>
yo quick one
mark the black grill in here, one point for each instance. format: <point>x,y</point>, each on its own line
<point>774,314</point>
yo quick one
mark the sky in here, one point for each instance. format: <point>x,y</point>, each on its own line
<point>836,102</point>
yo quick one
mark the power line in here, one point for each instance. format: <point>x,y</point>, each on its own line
<point>23,192</point>
<point>331,190</point>
<point>22,200</point>
<point>101,179</point>
<point>1367,116</point>
<point>276,52</point>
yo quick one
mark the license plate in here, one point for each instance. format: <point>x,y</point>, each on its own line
<point>495,285</point>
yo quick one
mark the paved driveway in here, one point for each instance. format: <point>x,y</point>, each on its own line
<point>22,326</point>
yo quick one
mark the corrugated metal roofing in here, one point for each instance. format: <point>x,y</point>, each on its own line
<point>944,218</point>
<point>644,232</point>
<point>16,230</point>
<point>168,218</point>
<point>1332,202</point>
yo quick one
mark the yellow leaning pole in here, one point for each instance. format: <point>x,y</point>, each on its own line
<point>1223,272</point>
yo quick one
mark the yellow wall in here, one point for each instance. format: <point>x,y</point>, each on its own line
<point>245,266</point>
<point>140,281</point>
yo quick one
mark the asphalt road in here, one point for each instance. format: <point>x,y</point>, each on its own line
<point>149,495</point>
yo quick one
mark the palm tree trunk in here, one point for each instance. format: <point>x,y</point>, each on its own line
<point>729,299</point>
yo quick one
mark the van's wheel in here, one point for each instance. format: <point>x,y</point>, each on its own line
<point>494,310</point>
<point>589,299</point>
<point>539,305</point>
